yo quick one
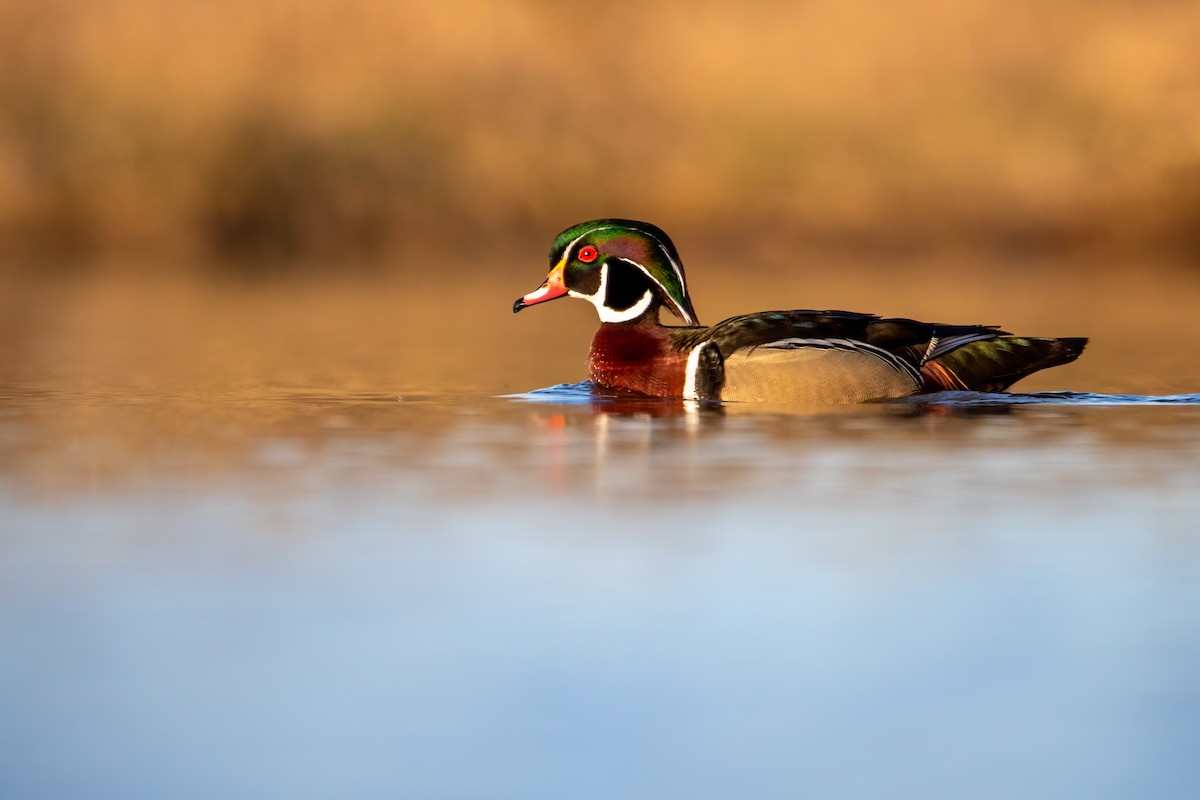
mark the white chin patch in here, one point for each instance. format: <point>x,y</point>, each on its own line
<point>633,312</point>
<point>607,314</point>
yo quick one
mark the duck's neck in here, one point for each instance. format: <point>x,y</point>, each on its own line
<point>637,356</point>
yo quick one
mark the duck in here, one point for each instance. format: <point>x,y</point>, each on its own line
<point>630,271</point>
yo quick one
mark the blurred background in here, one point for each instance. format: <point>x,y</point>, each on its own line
<point>378,169</point>
<point>324,131</point>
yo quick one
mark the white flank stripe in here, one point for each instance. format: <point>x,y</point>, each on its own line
<point>693,367</point>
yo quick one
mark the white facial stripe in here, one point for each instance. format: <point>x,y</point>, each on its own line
<point>674,265</point>
<point>666,252</point>
<point>690,373</point>
<point>654,280</point>
<point>645,272</point>
<point>575,241</point>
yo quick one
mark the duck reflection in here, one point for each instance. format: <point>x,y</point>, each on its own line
<point>631,445</point>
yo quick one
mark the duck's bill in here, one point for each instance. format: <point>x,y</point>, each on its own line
<point>551,289</point>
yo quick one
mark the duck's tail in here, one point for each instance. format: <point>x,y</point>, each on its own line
<point>992,365</point>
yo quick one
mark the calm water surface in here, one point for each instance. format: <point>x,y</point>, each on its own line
<point>232,568</point>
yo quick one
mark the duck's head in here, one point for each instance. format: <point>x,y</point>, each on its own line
<point>626,269</point>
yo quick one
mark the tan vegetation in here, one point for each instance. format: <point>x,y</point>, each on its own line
<point>328,129</point>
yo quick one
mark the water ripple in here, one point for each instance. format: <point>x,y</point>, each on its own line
<point>1057,398</point>
<point>585,393</point>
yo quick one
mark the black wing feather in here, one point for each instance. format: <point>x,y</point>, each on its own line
<point>907,338</point>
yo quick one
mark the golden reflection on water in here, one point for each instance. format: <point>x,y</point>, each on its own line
<point>441,449</point>
<point>107,380</point>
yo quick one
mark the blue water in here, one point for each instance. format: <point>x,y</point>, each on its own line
<point>563,594</point>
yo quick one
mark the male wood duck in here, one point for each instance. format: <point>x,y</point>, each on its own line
<point>629,270</point>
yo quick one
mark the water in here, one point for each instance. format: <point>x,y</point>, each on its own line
<point>233,566</point>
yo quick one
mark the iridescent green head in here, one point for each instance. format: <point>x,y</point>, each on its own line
<point>624,268</point>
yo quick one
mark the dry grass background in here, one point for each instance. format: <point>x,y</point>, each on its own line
<point>320,131</point>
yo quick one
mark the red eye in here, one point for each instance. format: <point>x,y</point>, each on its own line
<point>587,254</point>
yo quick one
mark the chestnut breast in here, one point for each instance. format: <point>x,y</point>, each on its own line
<point>636,358</point>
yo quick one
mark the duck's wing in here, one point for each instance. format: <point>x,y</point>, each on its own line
<point>754,330</point>
<point>912,340</point>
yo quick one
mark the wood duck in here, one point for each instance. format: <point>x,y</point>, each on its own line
<point>629,270</point>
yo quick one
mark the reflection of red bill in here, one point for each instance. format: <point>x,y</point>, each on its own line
<point>551,288</point>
